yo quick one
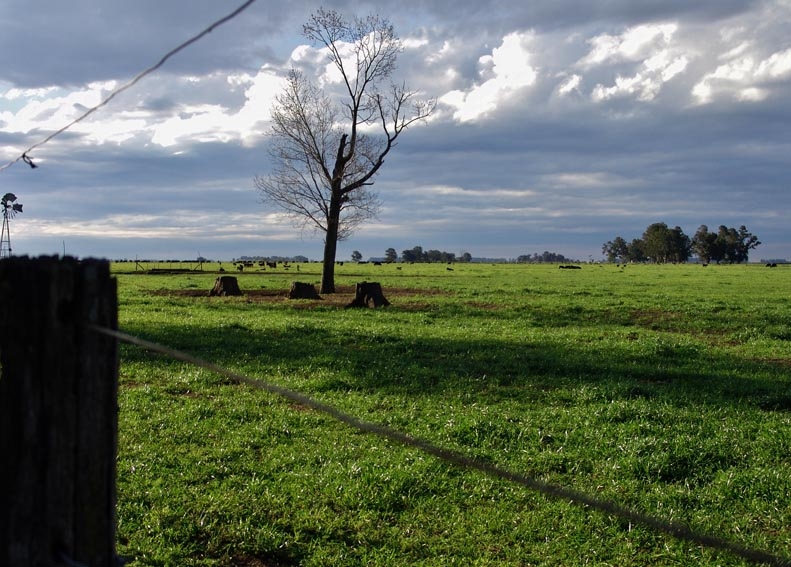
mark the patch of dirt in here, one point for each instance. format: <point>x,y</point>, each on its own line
<point>343,296</point>
<point>777,361</point>
<point>484,305</point>
<point>654,318</point>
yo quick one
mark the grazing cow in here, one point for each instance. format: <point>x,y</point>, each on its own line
<point>771,265</point>
<point>449,269</point>
<point>272,265</point>
<point>377,263</point>
<point>570,267</point>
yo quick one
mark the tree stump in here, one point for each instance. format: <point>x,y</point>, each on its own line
<point>225,285</point>
<point>366,293</point>
<point>301,290</point>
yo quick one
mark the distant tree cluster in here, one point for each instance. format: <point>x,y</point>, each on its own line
<point>417,254</point>
<point>544,258</point>
<point>726,245</point>
<point>662,244</point>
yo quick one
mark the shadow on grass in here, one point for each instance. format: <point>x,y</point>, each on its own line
<point>492,370</point>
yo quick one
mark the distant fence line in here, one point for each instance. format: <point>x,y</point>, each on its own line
<point>58,337</point>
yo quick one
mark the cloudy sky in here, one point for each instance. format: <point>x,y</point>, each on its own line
<point>560,124</point>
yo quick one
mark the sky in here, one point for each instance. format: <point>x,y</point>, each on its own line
<point>559,125</point>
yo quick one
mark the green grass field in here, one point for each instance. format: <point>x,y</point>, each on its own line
<point>666,389</point>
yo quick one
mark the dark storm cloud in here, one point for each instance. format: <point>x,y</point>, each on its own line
<point>471,18</point>
<point>82,41</point>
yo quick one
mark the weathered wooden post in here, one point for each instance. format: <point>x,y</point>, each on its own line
<point>58,412</point>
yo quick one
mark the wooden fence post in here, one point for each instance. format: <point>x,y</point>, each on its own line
<point>58,412</point>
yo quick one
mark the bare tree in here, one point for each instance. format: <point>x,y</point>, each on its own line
<point>326,152</point>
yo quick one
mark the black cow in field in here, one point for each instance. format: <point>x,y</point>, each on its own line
<point>771,265</point>
<point>272,265</point>
<point>570,267</point>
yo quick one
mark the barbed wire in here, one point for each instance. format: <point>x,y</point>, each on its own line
<point>28,159</point>
<point>678,530</point>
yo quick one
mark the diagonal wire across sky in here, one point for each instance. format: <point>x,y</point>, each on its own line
<point>28,159</point>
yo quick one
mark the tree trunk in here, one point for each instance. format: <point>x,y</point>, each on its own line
<point>367,292</point>
<point>331,242</point>
<point>301,290</point>
<point>225,285</point>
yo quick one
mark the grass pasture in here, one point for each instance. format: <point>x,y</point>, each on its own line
<point>666,389</point>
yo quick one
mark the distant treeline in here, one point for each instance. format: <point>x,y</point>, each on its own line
<point>662,244</point>
<point>543,258</point>
<point>417,254</point>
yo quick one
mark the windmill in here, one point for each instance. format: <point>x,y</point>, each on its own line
<point>10,209</point>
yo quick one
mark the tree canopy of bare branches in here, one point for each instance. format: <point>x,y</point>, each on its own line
<point>326,151</point>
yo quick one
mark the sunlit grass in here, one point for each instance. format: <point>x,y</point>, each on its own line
<point>663,388</point>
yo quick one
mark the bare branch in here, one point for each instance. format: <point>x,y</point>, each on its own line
<point>325,152</point>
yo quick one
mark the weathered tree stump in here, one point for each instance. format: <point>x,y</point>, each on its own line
<point>225,285</point>
<point>366,293</point>
<point>301,290</point>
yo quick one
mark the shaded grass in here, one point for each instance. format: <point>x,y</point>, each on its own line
<point>643,386</point>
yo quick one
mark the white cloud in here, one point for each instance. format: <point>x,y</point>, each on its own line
<point>776,66</point>
<point>506,71</point>
<point>217,123</point>
<point>650,45</point>
<point>745,77</point>
<point>631,45</point>
<point>586,180</point>
<point>414,42</point>
<point>51,108</point>
<point>441,53</point>
<point>570,85</point>
<point>736,51</point>
<point>646,83</point>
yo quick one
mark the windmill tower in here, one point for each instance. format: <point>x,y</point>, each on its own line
<point>10,209</point>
